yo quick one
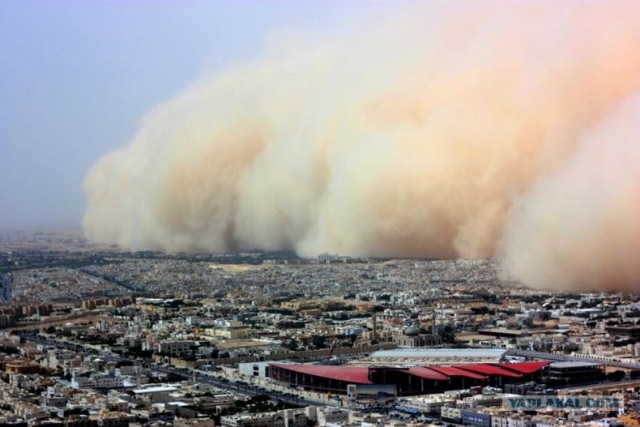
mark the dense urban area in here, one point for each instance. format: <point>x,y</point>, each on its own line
<point>94,336</point>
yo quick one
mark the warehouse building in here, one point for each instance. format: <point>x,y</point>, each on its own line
<point>408,381</point>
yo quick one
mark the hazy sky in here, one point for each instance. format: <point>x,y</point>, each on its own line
<point>77,77</point>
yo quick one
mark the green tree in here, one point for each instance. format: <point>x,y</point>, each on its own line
<point>318,341</point>
<point>292,345</point>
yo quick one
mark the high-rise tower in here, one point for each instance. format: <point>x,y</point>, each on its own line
<point>6,288</point>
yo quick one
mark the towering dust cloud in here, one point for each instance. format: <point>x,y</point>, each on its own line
<point>506,130</point>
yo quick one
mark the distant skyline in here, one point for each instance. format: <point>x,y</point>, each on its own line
<point>78,77</point>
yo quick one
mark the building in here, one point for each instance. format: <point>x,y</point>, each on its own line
<point>575,372</point>
<point>474,417</point>
<point>407,380</point>
<point>176,347</point>
<point>630,331</point>
<point>327,258</point>
<point>254,369</point>
<point>21,366</point>
<point>263,419</point>
<point>156,393</point>
<point>453,413</point>
<point>107,381</point>
<point>6,288</point>
<point>329,415</point>
<point>80,421</point>
<point>436,356</point>
<point>412,341</point>
<point>193,422</point>
<point>431,404</point>
<point>113,419</point>
<point>295,418</point>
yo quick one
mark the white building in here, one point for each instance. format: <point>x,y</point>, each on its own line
<point>107,381</point>
<point>254,369</point>
<point>264,419</point>
<point>428,404</point>
<point>451,412</point>
<point>328,415</point>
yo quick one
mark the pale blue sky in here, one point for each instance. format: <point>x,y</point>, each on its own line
<point>76,77</point>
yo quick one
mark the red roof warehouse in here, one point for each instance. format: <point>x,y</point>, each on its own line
<point>348,374</point>
<point>408,381</point>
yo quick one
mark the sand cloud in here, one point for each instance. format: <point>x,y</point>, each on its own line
<point>487,130</point>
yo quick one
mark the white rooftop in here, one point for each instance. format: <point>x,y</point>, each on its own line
<point>573,364</point>
<point>427,353</point>
<point>156,389</point>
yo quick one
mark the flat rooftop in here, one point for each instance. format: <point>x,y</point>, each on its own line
<point>440,353</point>
<point>563,365</point>
<point>156,389</point>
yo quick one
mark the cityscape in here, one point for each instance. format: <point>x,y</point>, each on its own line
<point>334,213</point>
<point>95,337</point>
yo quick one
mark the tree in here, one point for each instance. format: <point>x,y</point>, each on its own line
<point>292,345</point>
<point>318,341</point>
<point>174,378</point>
<point>448,335</point>
<point>616,375</point>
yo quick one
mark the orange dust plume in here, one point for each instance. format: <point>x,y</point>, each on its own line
<point>507,130</point>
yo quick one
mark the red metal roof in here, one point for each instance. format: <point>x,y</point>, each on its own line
<point>427,373</point>
<point>524,367</point>
<point>452,371</point>
<point>360,374</point>
<point>486,369</point>
<point>349,374</point>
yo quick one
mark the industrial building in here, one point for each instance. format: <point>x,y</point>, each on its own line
<point>564,373</point>
<point>408,381</point>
